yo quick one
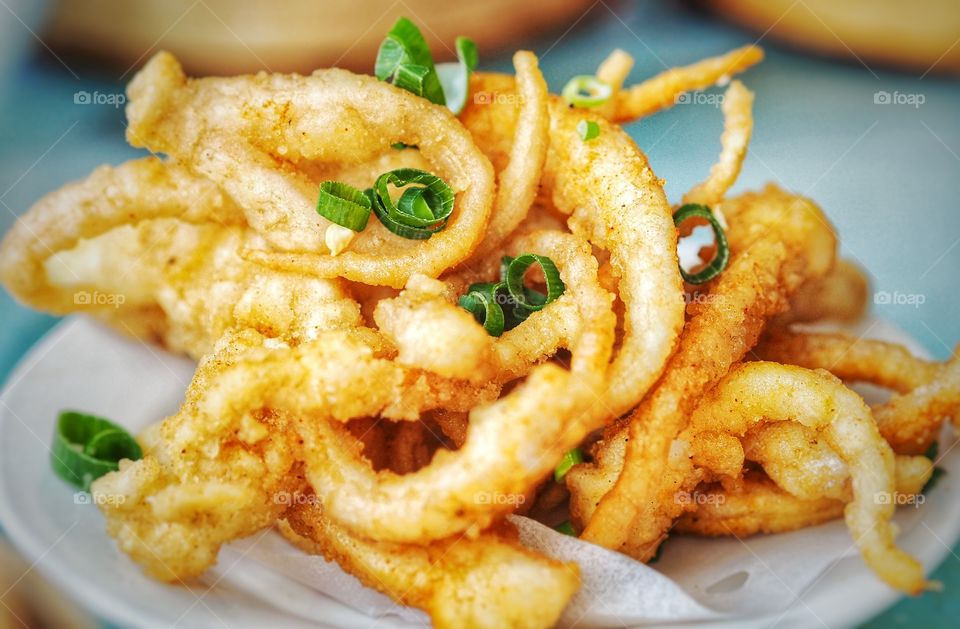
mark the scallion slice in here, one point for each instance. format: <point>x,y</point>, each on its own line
<point>455,77</point>
<point>85,447</point>
<point>586,91</point>
<point>421,211</point>
<point>571,458</point>
<point>588,129</point>
<point>404,59</point>
<point>722,255</point>
<point>527,300</point>
<point>497,294</point>
<point>481,302</point>
<point>344,205</point>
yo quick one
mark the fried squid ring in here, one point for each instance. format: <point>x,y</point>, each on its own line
<point>162,248</point>
<point>625,497</point>
<point>518,181</point>
<point>737,127</point>
<point>756,505</point>
<point>927,392</point>
<point>804,465</point>
<point>617,204</point>
<point>613,71</point>
<point>261,137</point>
<point>510,445</point>
<point>663,90</point>
<point>841,295</point>
<point>110,197</point>
<point>490,581</point>
<point>762,391</point>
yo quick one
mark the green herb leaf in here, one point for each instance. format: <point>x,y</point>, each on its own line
<point>455,77</point>
<point>85,447</point>
<point>722,256</point>
<point>586,91</point>
<point>344,205</point>
<point>588,129</point>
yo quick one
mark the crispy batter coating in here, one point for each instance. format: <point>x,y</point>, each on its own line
<point>927,392</point>
<point>259,136</point>
<point>490,581</point>
<point>625,497</point>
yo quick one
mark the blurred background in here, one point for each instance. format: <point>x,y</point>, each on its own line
<point>857,106</point>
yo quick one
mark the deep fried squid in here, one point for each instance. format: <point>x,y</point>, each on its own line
<point>625,498</point>
<point>927,392</point>
<point>763,391</point>
<point>262,137</point>
<point>490,581</point>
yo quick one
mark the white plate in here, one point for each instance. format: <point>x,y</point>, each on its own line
<point>84,366</point>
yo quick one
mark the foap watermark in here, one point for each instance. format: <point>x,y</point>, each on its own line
<point>83,498</point>
<point>496,98</point>
<point>896,298</point>
<point>911,99</point>
<point>698,498</point>
<point>699,98</point>
<point>497,498</point>
<point>899,499</point>
<point>290,498</point>
<point>112,99</point>
<point>96,298</point>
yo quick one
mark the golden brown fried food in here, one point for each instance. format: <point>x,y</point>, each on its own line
<point>841,295</point>
<point>625,498</point>
<point>757,505</point>
<point>155,251</point>
<point>764,391</point>
<point>805,465</point>
<point>663,90</point>
<point>488,581</point>
<point>927,392</point>
<point>737,128</point>
<point>262,137</point>
<point>617,204</point>
<point>110,197</point>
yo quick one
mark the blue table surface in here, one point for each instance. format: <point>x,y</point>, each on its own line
<point>888,175</point>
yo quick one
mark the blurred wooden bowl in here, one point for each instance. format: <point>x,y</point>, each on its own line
<point>238,36</point>
<point>915,35</point>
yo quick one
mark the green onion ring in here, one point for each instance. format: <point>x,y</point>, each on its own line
<point>85,447</point>
<point>586,91</point>
<point>344,205</point>
<point>588,129</point>
<point>529,300</point>
<point>421,211</point>
<point>719,262</point>
<point>481,302</point>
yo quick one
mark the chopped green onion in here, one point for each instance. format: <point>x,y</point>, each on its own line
<point>404,59</point>
<point>400,146</point>
<point>85,447</point>
<point>588,129</point>
<point>586,91</point>
<point>566,528</point>
<point>455,77</point>
<point>481,302</point>
<point>571,458</point>
<point>421,211</point>
<point>498,294</point>
<point>344,205</point>
<point>527,300</point>
<point>722,256</point>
